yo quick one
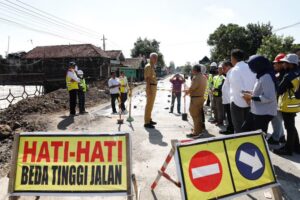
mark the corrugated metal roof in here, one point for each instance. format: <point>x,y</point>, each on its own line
<point>66,51</point>
<point>132,62</point>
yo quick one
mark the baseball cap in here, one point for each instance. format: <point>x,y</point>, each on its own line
<point>279,57</point>
<point>291,58</point>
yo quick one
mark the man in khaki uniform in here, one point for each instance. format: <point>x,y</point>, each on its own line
<point>151,86</point>
<point>196,92</point>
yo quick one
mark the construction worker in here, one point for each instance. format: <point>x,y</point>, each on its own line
<point>151,86</point>
<point>81,92</point>
<point>123,90</point>
<point>289,103</point>
<point>218,81</point>
<point>212,73</point>
<point>196,92</point>
<point>72,86</point>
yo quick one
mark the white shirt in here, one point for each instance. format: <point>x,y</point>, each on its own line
<point>112,82</point>
<point>226,89</point>
<point>73,76</point>
<point>240,79</point>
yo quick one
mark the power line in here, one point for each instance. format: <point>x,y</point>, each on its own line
<point>40,17</point>
<point>49,14</point>
<point>36,30</point>
<point>285,27</point>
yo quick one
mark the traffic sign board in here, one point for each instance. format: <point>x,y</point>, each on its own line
<point>250,161</point>
<point>205,171</point>
<point>222,167</point>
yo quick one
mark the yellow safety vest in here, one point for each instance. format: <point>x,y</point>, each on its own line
<point>83,85</point>
<point>217,81</point>
<point>123,81</point>
<point>71,84</point>
<point>287,102</point>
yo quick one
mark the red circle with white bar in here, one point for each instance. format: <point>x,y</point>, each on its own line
<point>205,171</point>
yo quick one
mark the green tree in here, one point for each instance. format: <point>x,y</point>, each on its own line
<point>232,36</point>
<point>274,44</point>
<point>144,47</point>
<point>225,38</point>
<point>187,68</point>
<point>255,34</point>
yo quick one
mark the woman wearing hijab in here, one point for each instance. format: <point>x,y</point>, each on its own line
<point>262,100</point>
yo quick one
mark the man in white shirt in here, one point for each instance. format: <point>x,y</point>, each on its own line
<point>227,67</point>
<point>241,79</point>
<point>114,84</point>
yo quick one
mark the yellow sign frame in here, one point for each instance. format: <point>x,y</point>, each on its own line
<point>188,191</point>
<point>115,159</point>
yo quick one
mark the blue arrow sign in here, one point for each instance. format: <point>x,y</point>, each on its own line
<point>250,161</point>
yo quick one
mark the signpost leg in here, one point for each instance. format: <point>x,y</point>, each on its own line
<point>277,193</point>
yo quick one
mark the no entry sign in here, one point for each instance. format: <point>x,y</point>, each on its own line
<point>205,171</point>
<point>216,168</point>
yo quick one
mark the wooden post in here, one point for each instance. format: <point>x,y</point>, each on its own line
<point>13,169</point>
<point>277,193</point>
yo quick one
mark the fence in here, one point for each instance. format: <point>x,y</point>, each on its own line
<point>16,95</point>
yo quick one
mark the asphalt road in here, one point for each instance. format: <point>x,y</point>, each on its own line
<point>151,147</point>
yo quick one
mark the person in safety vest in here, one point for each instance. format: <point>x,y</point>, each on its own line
<point>289,104</point>
<point>123,90</point>
<point>81,92</point>
<point>213,72</point>
<point>218,81</point>
<point>72,86</point>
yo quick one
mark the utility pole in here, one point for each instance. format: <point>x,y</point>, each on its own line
<point>103,39</point>
<point>7,52</point>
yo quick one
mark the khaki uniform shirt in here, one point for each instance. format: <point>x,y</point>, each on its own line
<point>198,86</point>
<point>150,73</point>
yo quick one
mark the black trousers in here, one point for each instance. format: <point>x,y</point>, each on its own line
<point>255,122</point>
<point>123,100</point>
<point>292,143</point>
<point>81,99</point>
<point>228,116</point>
<point>208,101</point>
<point>238,116</point>
<point>114,97</point>
<point>178,97</point>
<point>203,118</point>
<point>73,101</point>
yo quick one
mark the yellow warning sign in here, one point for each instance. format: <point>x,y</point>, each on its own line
<point>205,170</point>
<point>225,166</point>
<point>250,162</point>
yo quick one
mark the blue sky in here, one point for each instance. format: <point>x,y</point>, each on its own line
<point>182,26</point>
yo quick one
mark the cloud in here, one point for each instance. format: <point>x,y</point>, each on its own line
<point>219,12</point>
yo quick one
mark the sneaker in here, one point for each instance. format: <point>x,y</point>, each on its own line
<point>114,113</point>
<point>272,141</point>
<point>179,113</point>
<point>282,151</point>
<point>149,126</point>
<point>152,122</point>
<point>84,112</point>
<point>124,112</point>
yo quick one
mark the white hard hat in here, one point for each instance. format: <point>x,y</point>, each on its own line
<point>80,72</point>
<point>213,64</point>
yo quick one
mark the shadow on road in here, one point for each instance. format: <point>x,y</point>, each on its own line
<point>155,137</point>
<point>67,121</point>
<point>290,183</point>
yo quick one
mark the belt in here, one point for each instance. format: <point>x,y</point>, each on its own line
<point>195,96</point>
<point>152,84</point>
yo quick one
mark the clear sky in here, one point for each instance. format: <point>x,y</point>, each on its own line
<point>182,26</point>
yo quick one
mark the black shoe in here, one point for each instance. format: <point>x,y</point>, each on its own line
<point>297,151</point>
<point>282,151</point>
<point>152,122</point>
<point>149,126</point>
<point>272,141</point>
<point>84,112</point>
<point>226,132</point>
<point>171,112</point>
<point>179,113</point>
<point>282,139</point>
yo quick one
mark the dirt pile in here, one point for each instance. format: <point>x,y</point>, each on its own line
<point>16,118</point>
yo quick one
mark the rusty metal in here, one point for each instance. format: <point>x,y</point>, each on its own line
<point>11,97</point>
